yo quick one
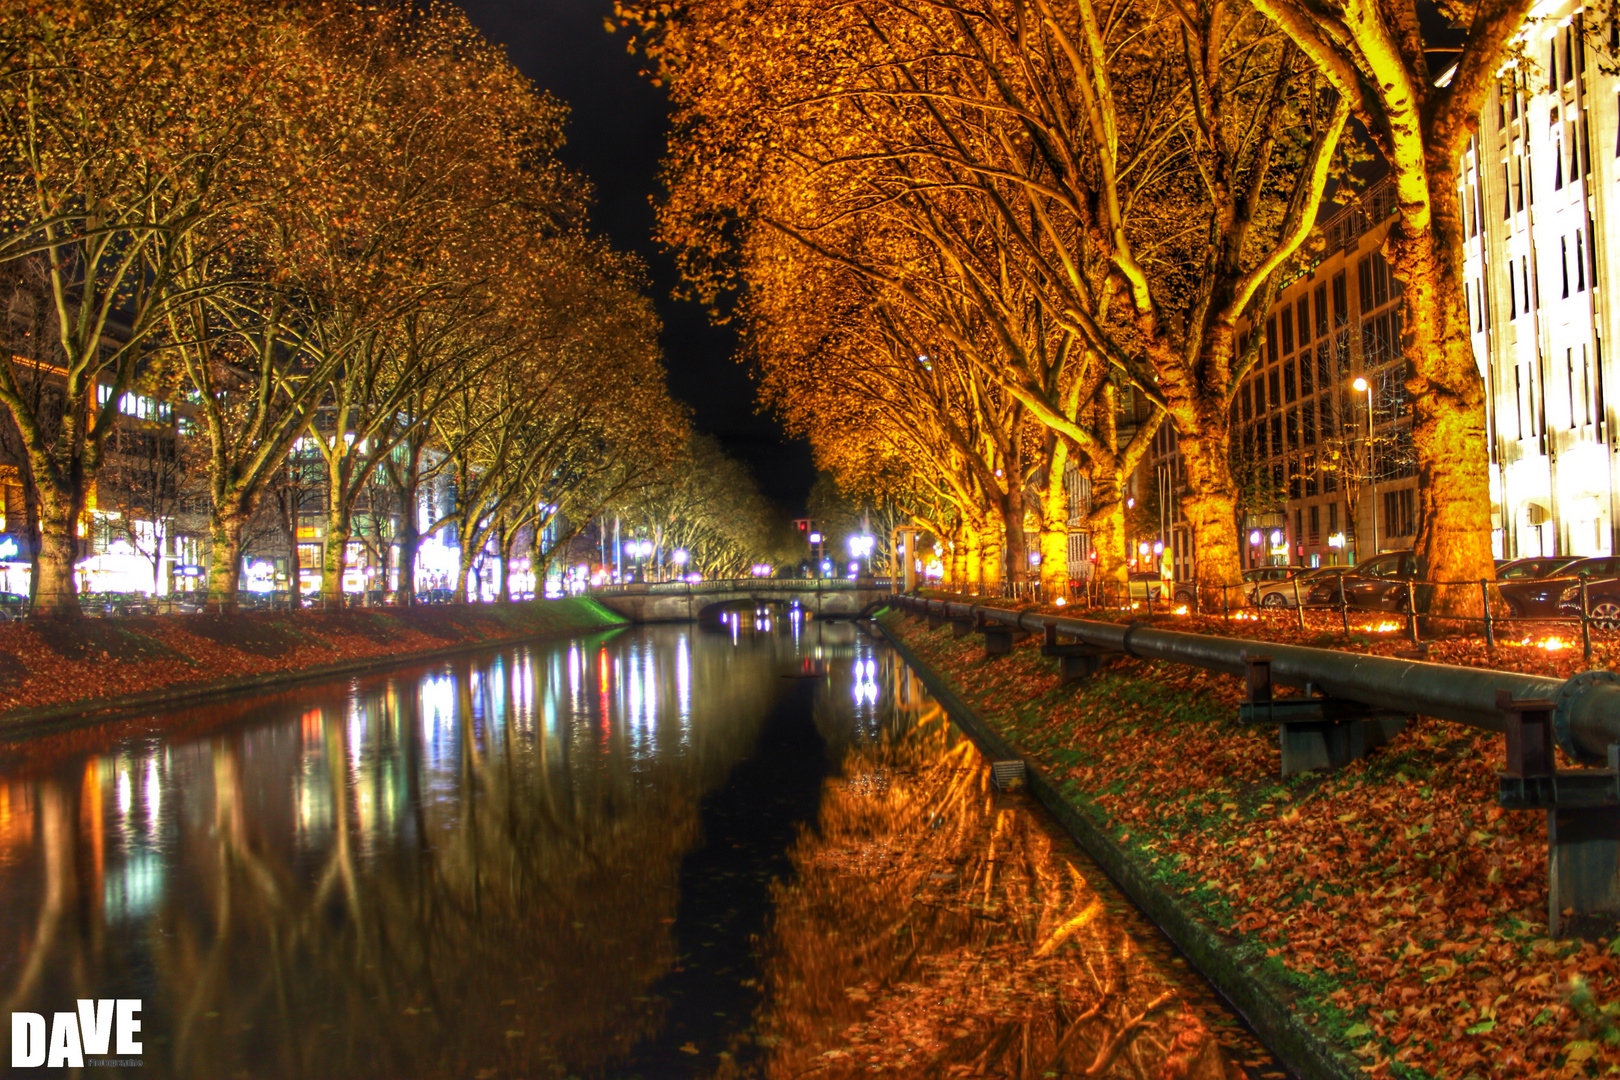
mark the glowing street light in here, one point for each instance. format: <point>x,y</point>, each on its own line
<point>1362,386</point>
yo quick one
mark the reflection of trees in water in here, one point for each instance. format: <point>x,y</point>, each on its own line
<point>498,903</point>
<point>932,929</point>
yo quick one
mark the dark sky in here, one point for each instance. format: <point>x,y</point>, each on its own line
<point>616,136</point>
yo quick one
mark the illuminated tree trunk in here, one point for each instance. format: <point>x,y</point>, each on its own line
<point>970,557</point>
<point>1107,524</point>
<point>1014,543</point>
<point>1210,504</point>
<point>225,555</point>
<point>334,556</point>
<point>1055,526</point>
<point>56,594</point>
<point>1448,401</point>
<point>991,547</point>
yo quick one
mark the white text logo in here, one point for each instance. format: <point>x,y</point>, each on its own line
<point>73,1035</point>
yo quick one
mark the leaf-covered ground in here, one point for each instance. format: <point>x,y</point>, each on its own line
<point>89,660</point>
<point>1404,905</point>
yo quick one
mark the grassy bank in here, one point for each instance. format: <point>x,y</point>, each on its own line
<point>1404,911</point>
<point>52,671</point>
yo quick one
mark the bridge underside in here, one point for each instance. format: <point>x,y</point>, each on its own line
<point>650,606</point>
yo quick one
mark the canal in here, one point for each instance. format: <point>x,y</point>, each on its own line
<point>749,849</point>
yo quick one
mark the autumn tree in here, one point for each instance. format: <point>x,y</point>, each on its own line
<point>126,129</point>
<point>1420,101</point>
<point>1147,171</point>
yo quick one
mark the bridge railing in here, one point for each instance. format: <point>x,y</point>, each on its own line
<point>748,584</point>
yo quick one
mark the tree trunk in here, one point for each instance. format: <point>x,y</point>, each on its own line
<point>463,569</point>
<point>990,552</point>
<point>1014,543</point>
<point>295,572</point>
<point>1210,506</point>
<point>56,596</point>
<point>1055,527</point>
<point>409,539</point>
<point>969,558</point>
<point>1448,402</point>
<point>225,555</point>
<point>334,556</point>
<point>1107,524</point>
<point>504,538</point>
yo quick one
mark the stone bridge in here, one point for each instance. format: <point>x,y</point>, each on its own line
<point>681,601</point>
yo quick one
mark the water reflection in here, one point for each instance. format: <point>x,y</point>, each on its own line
<point>677,851</point>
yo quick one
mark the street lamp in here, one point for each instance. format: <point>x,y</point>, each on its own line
<point>860,548</point>
<point>1362,386</point>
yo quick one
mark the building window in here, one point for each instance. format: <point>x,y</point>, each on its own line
<point>1288,382</point>
<point>1341,299</point>
<point>1399,512</point>
<point>1308,423</point>
<point>1333,517</point>
<point>1271,340</point>
<point>1276,394</point>
<point>1321,311</point>
<point>1316,525</point>
<point>1563,262</point>
<point>1580,261</point>
<point>1287,334</point>
<point>1303,311</point>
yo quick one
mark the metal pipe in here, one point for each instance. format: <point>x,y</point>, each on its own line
<point>1586,717</point>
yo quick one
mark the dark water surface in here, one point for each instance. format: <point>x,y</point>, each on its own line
<point>752,849</point>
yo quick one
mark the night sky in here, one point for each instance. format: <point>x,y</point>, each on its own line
<point>616,136</point>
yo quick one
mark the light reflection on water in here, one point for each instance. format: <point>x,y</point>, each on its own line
<point>569,858</point>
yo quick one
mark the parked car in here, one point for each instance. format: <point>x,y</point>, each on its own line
<point>436,596</point>
<point>1280,594</point>
<point>1602,601</point>
<point>1146,585</point>
<point>1533,569</point>
<point>12,606</point>
<point>117,604</point>
<point>1264,575</point>
<point>1379,584</point>
<point>1539,598</point>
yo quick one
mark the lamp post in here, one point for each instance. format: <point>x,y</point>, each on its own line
<point>860,549</point>
<point>1362,386</point>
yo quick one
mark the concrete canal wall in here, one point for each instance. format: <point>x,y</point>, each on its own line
<point>54,675</point>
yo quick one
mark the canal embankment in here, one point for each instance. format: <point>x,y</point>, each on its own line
<point>1387,919</point>
<point>58,674</point>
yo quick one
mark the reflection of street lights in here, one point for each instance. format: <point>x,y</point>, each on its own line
<point>1362,386</point>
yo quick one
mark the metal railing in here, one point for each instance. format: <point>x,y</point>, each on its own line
<point>748,584</point>
<point>1410,605</point>
<point>1348,699</point>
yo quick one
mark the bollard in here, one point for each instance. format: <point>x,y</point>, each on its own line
<point>1411,613</point>
<point>1586,624</point>
<point>1485,601</point>
<point>1226,604</point>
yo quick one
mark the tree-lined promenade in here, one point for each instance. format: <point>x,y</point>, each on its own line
<point>959,232</point>
<point>338,242</point>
